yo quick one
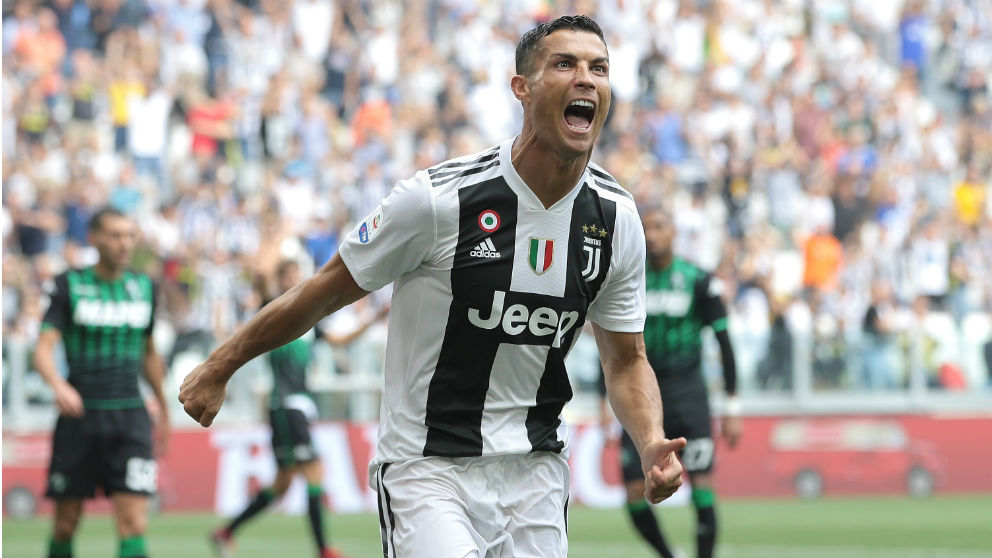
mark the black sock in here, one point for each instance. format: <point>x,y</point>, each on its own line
<point>647,525</point>
<point>261,501</point>
<point>315,494</point>
<point>705,531</point>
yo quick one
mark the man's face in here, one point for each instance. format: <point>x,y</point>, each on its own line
<point>115,240</point>
<point>569,91</point>
<point>659,233</point>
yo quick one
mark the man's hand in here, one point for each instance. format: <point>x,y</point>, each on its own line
<point>731,429</point>
<point>68,400</point>
<point>203,392</point>
<point>662,470</point>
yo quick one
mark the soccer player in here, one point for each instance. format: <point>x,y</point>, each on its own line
<point>291,408</point>
<point>104,316</point>
<point>496,259</point>
<point>681,300</point>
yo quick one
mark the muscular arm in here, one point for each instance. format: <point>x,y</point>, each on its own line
<point>279,322</point>
<point>631,385</point>
<point>633,392</point>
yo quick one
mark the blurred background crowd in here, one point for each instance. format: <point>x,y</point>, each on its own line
<point>830,160</point>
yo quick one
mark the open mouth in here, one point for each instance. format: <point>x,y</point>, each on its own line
<point>579,114</point>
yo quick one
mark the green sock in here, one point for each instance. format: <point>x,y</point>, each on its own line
<point>58,549</point>
<point>132,547</point>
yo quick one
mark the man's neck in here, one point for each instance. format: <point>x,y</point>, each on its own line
<point>661,263</point>
<point>545,172</point>
<point>107,272</point>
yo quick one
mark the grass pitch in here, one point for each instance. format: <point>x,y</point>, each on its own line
<point>957,526</point>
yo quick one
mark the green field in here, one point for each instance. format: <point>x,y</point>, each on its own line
<point>892,527</point>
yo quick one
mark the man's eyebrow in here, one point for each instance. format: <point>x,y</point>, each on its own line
<point>570,56</point>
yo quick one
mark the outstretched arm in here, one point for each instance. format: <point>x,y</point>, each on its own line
<point>279,322</point>
<point>634,396</point>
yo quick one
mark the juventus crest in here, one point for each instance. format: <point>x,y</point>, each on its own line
<point>592,242</point>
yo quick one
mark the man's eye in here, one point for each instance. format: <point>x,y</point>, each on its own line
<point>563,64</point>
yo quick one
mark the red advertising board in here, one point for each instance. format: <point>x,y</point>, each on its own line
<point>218,469</point>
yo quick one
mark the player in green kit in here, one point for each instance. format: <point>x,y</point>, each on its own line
<point>291,408</point>
<point>681,300</point>
<point>104,316</point>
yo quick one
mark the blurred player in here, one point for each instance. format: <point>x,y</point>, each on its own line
<point>103,438</point>
<point>498,259</point>
<point>291,408</point>
<point>681,300</point>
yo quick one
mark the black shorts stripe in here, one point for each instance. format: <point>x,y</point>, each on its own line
<point>566,514</point>
<point>457,392</point>
<point>386,529</point>
<point>456,165</point>
<point>464,173</point>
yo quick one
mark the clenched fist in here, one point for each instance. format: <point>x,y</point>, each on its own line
<point>203,392</point>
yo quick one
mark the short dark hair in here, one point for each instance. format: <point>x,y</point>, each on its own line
<point>528,44</point>
<point>96,221</point>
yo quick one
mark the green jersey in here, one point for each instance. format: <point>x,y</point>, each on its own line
<point>104,326</point>
<point>680,300</point>
<point>289,371</point>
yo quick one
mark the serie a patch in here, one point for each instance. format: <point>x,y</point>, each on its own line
<point>370,226</point>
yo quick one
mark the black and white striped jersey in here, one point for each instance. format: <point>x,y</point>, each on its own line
<point>490,292</point>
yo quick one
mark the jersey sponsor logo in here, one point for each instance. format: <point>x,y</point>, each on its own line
<point>113,313</point>
<point>541,254</point>
<point>485,249</point>
<point>370,226</point>
<point>541,322</point>
<point>669,303</point>
<point>489,221</point>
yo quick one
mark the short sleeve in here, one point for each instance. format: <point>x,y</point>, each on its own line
<point>395,238</point>
<point>620,304</point>
<point>57,314</point>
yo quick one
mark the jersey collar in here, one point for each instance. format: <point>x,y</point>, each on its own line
<point>527,198</point>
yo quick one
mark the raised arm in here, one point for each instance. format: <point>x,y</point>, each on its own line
<point>279,322</point>
<point>633,392</point>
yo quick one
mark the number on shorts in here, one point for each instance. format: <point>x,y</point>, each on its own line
<point>697,454</point>
<point>142,475</point>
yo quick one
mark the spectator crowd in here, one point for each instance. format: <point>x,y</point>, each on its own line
<point>830,160</point>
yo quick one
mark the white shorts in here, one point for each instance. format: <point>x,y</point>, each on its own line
<point>441,507</point>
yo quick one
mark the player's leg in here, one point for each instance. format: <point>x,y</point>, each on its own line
<point>534,493</point>
<point>423,510</point>
<point>68,511</point>
<point>131,520</point>
<point>704,500</point>
<point>638,508</point>
<point>697,460</point>
<point>313,472</point>
<point>263,499</point>
<point>71,478</point>
<point>130,474</point>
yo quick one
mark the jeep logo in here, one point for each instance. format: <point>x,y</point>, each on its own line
<point>516,319</point>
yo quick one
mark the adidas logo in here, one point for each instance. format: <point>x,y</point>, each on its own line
<point>485,249</point>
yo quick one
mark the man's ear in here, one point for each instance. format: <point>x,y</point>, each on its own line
<point>520,87</point>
